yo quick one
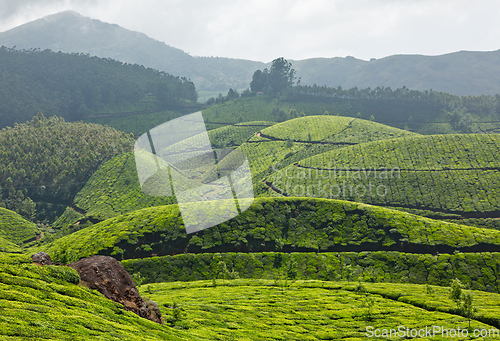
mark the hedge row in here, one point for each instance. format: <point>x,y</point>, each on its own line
<point>479,271</point>
<point>273,225</point>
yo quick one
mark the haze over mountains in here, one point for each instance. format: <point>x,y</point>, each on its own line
<point>460,73</point>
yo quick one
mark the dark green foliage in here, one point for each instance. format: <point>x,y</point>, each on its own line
<point>74,86</point>
<point>276,80</point>
<point>378,266</point>
<point>431,112</point>
<point>48,160</point>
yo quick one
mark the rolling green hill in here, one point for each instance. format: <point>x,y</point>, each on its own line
<point>270,224</point>
<point>456,174</point>
<point>293,140</point>
<point>114,189</point>
<point>45,302</point>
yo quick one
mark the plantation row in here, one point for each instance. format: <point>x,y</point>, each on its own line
<point>415,153</point>
<point>267,156</point>
<point>478,271</point>
<point>287,224</point>
<point>468,193</point>
<point>444,173</point>
<point>249,309</point>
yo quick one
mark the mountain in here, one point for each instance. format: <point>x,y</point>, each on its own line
<point>459,73</point>
<point>71,32</point>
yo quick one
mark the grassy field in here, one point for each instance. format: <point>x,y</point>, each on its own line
<point>310,310</point>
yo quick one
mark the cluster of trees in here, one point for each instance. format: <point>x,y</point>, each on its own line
<point>275,80</point>
<point>74,86</point>
<point>49,160</point>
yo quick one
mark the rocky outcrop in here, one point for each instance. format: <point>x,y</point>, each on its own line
<point>42,258</point>
<point>110,278</point>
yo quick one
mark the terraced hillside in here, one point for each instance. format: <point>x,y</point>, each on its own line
<point>285,143</point>
<point>456,174</point>
<point>46,302</point>
<point>273,224</point>
<point>15,231</point>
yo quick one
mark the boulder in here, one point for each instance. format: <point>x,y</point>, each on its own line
<point>42,258</point>
<point>109,277</point>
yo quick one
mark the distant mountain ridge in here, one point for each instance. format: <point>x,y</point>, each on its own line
<point>459,73</point>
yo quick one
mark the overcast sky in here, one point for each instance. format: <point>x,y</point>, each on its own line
<point>267,29</point>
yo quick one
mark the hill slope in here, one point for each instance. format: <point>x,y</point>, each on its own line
<point>48,160</point>
<point>75,86</point>
<point>45,302</point>
<point>290,224</point>
<point>15,228</point>
<point>442,173</point>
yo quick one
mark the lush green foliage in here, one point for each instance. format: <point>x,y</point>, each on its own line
<point>45,302</point>
<point>49,160</point>
<point>478,271</point>
<point>15,228</point>
<point>288,224</point>
<point>74,86</point>
<point>443,173</point>
<point>305,310</point>
<point>114,189</point>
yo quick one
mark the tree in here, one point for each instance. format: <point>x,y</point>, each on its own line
<point>275,80</point>
<point>259,80</point>
<point>456,292</point>
<point>468,308</point>
<point>281,75</point>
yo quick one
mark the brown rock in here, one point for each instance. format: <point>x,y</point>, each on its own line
<point>42,258</point>
<point>109,277</point>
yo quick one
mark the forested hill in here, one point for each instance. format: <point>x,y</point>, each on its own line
<point>74,86</point>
